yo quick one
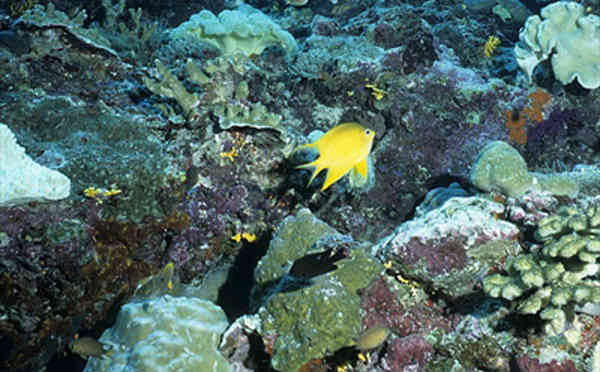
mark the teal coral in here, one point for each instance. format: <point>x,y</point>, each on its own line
<point>560,274</point>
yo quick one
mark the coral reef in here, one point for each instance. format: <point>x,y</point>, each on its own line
<point>176,123</point>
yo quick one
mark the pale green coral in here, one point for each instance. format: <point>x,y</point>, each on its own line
<point>561,273</point>
<point>566,34</point>
<point>497,285</point>
<point>221,92</point>
<point>170,86</point>
<point>256,116</point>
<point>244,30</point>
<point>499,167</point>
<point>570,218</point>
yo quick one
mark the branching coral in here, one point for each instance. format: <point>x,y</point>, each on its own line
<point>551,280</point>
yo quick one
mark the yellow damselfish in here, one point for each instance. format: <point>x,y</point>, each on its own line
<point>341,149</point>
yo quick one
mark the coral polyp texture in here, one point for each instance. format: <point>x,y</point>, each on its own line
<point>551,279</point>
<point>164,333</point>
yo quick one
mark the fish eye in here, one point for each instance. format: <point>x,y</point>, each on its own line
<point>368,132</point>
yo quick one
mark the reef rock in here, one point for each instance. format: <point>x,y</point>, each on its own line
<point>450,247</point>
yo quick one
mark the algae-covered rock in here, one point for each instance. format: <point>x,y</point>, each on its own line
<point>310,324</point>
<point>450,247</point>
<point>322,314</point>
<point>95,146</point>
<point>300,232</point>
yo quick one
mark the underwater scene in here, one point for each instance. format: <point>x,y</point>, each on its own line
<point>299,185</point>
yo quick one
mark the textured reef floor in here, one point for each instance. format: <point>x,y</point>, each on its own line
<point>154,217</point>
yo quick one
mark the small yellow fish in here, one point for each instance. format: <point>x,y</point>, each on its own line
<point>87,347</point>
<point>341,149</point>
<point>372,338</point>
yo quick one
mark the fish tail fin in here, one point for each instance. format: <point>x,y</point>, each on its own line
<point>317,169</point>
<point>333,174</point>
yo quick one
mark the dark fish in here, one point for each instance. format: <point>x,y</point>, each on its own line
<point>316,264</point>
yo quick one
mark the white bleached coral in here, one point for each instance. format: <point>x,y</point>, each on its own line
<point>23,180</point>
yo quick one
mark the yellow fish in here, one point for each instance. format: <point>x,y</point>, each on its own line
<point>372,338</point>
<point>341,149</point>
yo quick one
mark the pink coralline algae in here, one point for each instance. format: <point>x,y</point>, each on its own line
<point>525,363</point>
<point>382,307</point>
<point>530,208</point>
<point>445,246</point>
<point>408,353</point>
<point>409,324</point>
<point>439,256</point>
